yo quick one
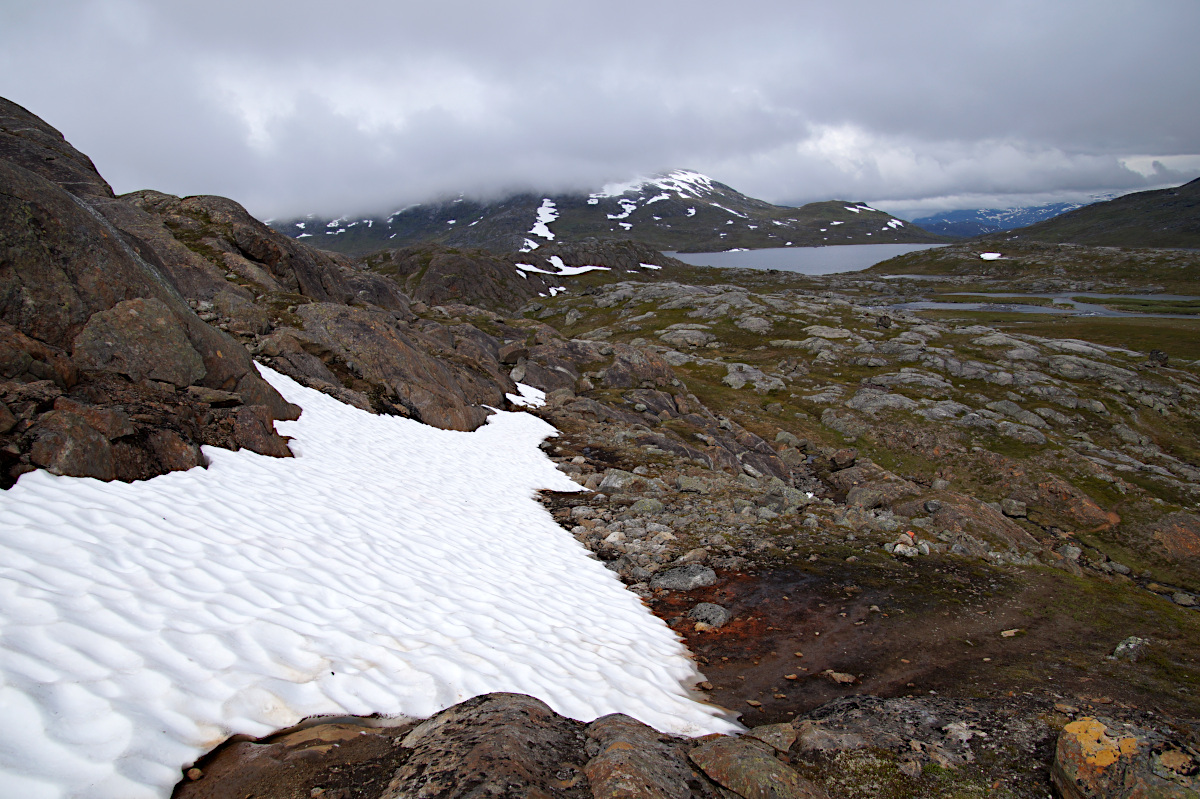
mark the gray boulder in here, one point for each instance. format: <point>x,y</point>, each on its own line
<point>684,578</point>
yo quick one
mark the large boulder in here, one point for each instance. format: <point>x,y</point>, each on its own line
<point>413,371</point>
<point>1095,760</point>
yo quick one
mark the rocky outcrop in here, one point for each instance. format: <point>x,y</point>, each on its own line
<point>439,275</point>
<point>510,745</point>
<point>620,256</point>
<point>28,142</point>
<point>83,311</point>
<point>503,745</point>
<point>224,233</point>
<point>431,375</point>
<point>159,300</point>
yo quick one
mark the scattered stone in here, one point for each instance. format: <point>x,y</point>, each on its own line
<point>1014,509</point>
<point>618,480</point>
<point>684,578</point>
<point>1183,599</point>
<point>710,614</point>
<point>843,458</point>
<point>839,677</point>
<point>646,506</point>
<point>787,439</point>
<point>694,485</point>
<point>1130,649</point>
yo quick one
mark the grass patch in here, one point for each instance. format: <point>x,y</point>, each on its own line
<point>992,299</point>
<point>1179,338</point>
<point>1189,307</point>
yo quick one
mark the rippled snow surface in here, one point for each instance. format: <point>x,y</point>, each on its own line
<point>390,568</point>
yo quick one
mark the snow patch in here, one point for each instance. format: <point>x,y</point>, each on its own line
<point>546,214</point>
<point>529,397</point>
<point>990,256</point>
<point>627,208</point>
<point>728,210</point>
<point>563,269</point>
<point>389,568</point>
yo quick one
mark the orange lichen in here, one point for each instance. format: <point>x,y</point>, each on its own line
<point>1097,747</point>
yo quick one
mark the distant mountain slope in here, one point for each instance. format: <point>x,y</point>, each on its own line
<point>977,222</point>
<point>678,211</point>
<point>1160,218</point>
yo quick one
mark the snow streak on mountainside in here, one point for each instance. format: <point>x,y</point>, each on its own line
<point>676,211</point>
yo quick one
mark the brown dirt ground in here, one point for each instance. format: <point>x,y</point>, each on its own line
<point>933,626</point>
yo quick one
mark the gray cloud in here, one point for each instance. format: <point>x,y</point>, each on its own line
<point>299,106</point>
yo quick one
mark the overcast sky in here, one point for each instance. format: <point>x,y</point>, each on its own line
<point>298,106</point>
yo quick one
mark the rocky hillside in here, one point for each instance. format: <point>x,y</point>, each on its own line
<point>918,555</point>
<point>128,324</point>
<point>679,211</point>
<point>1161,218</point>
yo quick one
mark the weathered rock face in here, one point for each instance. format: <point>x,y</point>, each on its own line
<point>140,339</point>
<point>870,486</point>
<point>79,305</point>
<point>420,375</point>
<point>510,745</point>
<point>225,232</point>
<point>28,142</point>
<point>123,295</point>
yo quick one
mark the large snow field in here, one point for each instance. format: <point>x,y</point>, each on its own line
<point>389,568</point>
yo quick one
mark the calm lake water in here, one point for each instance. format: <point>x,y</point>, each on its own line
<point>805,260</point>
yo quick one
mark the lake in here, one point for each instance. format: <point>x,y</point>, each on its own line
<point>805,260</point>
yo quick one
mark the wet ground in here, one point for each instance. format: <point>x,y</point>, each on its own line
<point>932,626</point>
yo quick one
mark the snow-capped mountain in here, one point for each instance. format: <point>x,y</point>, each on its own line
<point>675,211</point>
<point>990,220</point>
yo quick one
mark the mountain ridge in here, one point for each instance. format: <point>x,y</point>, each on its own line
<point>681,211</point>
<point>1161,218</point>
<point>981,221</point>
